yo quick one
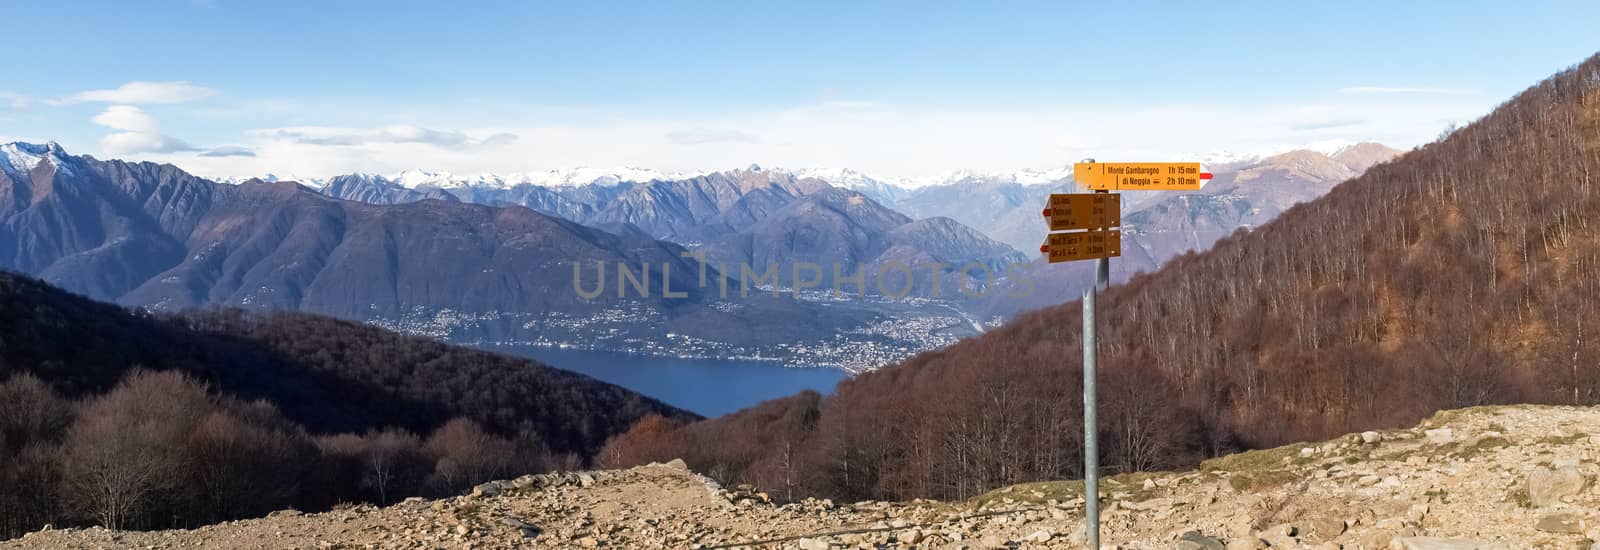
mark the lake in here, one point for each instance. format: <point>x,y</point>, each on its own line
<point>710,387</point>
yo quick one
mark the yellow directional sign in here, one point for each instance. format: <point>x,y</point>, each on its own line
<point>1140,176</point>
<point>1083,245</point>
<point>1083,211</point>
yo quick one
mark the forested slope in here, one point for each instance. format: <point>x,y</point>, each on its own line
<point>1460,274</point>
<point>327,375</point>
<point>119,418</point>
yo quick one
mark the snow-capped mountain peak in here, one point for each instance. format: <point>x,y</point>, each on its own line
<point>1328,147</point>
<point>1331,147</point>
<point>849,178</point>
<point>877,186</point>
<point>314,183</point>
<point>881,189</point>
<point>1031,176</point>
<point>412,179</point>
<point>584,175</point>
<point>1050,175</point>
<point>563,177</point>
<point>1225,158</point>
<point>18,158</point>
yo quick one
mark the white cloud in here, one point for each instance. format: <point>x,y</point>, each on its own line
<point>1400,90</point>
<point>141,134</point>
<point>143,93</point>
<point>133,143</point>
<point>228,151</point>
<point>398,133</point>
<point>127,118</point>
<point>12,101</point>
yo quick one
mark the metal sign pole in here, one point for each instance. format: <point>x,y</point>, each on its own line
<point>1091,447</point>
<point>1097,214</point>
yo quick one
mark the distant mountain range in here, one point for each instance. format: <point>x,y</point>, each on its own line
<point>492,258</point>
<point>750,216</point>
<point>999,205</point>
<point>152,235</point>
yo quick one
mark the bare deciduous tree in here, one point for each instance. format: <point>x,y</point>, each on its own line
<point>126,452</point>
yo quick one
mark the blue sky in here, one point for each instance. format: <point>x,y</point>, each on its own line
<point>897,88</point>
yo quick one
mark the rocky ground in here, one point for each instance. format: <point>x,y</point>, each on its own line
<point>1502,477</point>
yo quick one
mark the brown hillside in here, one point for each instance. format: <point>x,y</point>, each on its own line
<point>1459,274</point>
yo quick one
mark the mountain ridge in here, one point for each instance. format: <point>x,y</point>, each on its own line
<point>868,183</point>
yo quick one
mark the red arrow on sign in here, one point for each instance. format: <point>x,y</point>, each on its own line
<point>1205,175</point>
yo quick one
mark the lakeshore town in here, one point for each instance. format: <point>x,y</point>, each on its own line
<point>920,325</point>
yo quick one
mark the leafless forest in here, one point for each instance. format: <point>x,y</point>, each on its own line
<point>126,420</point>
<point>1466,272</point>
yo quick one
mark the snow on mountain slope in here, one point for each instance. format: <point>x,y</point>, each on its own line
<point>1224,159</point>
<point>884,190</point>
<point>18,158</point>
<point>888,190</point>
<point>314,183</point>
<point>416,179</point>
<point>563,177</point>
<point>601,176</point>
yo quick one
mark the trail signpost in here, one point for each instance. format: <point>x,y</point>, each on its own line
<point>1083,245</point>
<point>1083,211</point>
<point>1084,226</point>
<point>1140,176</point>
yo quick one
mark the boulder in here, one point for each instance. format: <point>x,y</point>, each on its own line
<point>1286,530</point>
<point>1417,513</point>
<point>1560,523</point>
<point>1546,486</point>
<point>528,529</point>
<point>910,536</point>
<point>1375,539</point>
<point>1163,503</point>
<point>1371,437</point>
<point>1440,436</point>
<point>1282,536</point>
<point>1324,528</point>
<point>813,544</point>
<point>492,488</point>
<point>1195,540</point>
